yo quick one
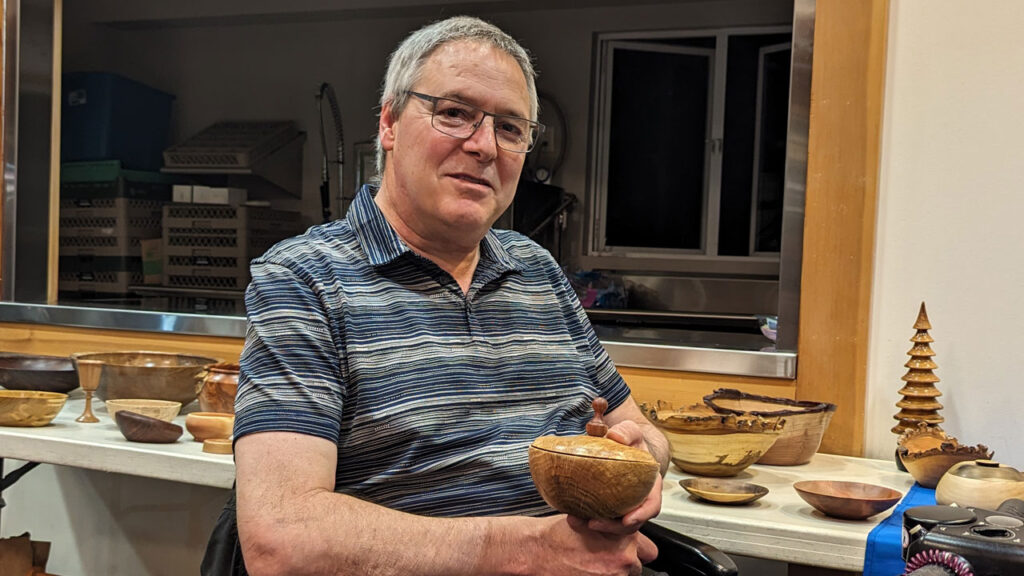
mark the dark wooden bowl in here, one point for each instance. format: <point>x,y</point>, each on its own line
<point>849,500</point>
<point>42,373</point>
<point>141,428</point>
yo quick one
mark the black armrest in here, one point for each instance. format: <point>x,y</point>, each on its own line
<point>680,555</point>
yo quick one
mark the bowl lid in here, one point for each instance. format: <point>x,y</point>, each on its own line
<point>592,447</point>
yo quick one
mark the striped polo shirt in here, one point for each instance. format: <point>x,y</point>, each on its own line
<point>432,395</point>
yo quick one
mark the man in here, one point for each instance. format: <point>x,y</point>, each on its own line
<point>399,362</point>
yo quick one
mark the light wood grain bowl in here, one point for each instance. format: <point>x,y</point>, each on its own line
<point>806,422</point>
<point>723,490</point>
<point>706,443</point>
<point>979,483</point>
<point>591,477</point>
<point>144,374</point>
<point>847,500</point>
<point>165,410</point>
<point>205,425</point>
<point>29,408</point>
<point>928,453</point>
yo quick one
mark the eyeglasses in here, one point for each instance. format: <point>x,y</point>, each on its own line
<point>460,120</point>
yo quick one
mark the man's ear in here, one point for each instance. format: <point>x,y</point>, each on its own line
<point>386,127</point>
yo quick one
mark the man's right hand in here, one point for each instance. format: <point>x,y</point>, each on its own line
<point>572,549</point>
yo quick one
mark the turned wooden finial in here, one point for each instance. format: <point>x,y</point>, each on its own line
<point>596,426</point>
<point>922,320</point>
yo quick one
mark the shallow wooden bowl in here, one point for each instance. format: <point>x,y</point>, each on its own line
<point>706,443</point>
<point>849,500</point>
<point>723,491</point>
<point>165,410</point>
<point>979,483</point>
<point>806,422</point>
<point>29,407</point>
<point>141,428</point>
<point>205,425</point>
<point>43,373</point>
<point>591,477</point>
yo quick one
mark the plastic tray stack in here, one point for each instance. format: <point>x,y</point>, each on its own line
<point>208,247</point>
<point>105,214</point>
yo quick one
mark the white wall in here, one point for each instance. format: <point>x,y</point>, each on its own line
<point>951,218</point>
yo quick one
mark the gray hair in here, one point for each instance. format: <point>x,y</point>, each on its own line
<point>406,63</point>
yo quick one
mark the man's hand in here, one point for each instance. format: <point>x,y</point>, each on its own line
<point>574,549</point>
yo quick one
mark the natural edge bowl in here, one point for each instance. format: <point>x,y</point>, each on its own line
<point>145,374</point>
<point>705,443</point>
<point>723,491</point>
<point>847,500</point>
<point>33,372</point>
<point>928,453</point>
<point>806,422</point>
<point>205,425</point>
<point>165,410</point>
<point>591,477</point>
<point>29,408</point>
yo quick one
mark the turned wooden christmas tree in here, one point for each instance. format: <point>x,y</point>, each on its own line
<point>919,402</point>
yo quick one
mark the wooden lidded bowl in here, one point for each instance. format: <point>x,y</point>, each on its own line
<point>928,453</point>
<point>205,425</point>
<point>979,483</point>
<point>706,443</point>
<point>805,422</point>
<point>591,476</point>
<point>25,408</point>
<point>848,500</point>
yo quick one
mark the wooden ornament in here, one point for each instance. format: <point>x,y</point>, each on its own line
<point>919,393</point>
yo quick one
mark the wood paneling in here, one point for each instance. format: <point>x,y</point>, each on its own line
<point>839,227</point>
<point>682,388</point>
<point>62,341</point>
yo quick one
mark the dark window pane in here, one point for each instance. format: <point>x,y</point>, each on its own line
<point>656,163</point>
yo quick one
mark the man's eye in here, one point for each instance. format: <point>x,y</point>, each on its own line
<point>511,129</point>
<point>454,113</point>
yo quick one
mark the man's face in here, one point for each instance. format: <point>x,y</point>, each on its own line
<point>447,187</point>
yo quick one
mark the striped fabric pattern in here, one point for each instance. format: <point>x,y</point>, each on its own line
<point>432,396</point>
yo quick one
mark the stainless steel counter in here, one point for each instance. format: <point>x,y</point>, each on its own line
<point>665,349</point>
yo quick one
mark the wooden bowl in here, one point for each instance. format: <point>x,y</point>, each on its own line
<point>205,425</point>
<point>723,491</point>
<point>591,477</point>
<point>979,483</point>
<point>153,375</point>
<point>43,373</point>
<point>928,453</point>
<point>141,428</point>
<point>165,410</point>
<point>219,387</point>
<point>29,407</point>
<point>705,443</point>
<point>805,422</point>
<point>849,500</point>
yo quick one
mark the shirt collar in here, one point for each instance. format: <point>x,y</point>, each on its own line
<point>382,244</point>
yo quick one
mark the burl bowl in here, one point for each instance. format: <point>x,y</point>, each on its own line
<point>165,410</point>
<point>848,500</point>
<point>979,483</point>
<point>43,373</point>
<point>806,422</point>
<point>206,425</point>
<point>152,375</point>
<point>219,387</point>
<point>705,443</point>
<point>928,453</point>
<point>591,477</point>
<point>723,490</point>
<point>29,407</point>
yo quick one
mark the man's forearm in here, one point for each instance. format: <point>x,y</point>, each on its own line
<point>658,445</point>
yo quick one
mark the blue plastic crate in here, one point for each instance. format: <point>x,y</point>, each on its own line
<point>105,116</point>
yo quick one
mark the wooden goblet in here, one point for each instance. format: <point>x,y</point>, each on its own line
<point>89,379</point>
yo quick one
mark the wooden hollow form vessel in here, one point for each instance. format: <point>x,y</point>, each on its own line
<point>928,453</point>
<point>806,422</point>
<point>706,443</point>
<point>979,483</point>
<point>591,477</point>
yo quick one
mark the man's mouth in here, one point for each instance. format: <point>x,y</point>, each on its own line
<point>471,179</point>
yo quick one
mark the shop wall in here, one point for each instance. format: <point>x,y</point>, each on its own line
<point>949,218</point>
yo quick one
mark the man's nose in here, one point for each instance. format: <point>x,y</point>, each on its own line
<point>483,141</point>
